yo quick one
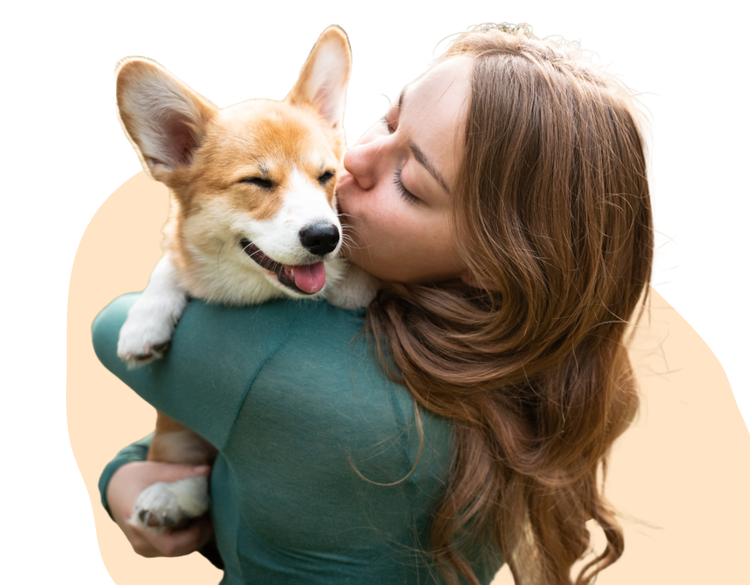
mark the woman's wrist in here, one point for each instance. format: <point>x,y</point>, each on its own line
<point>134,452</point>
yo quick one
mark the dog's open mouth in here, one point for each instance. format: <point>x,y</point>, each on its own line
<point>304,278</point>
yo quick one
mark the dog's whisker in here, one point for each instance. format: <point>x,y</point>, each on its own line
<point>350,244</point>
<point>341,214</point>
<point>251,254</point>
<point>346,245</point>
<point>347,237</point>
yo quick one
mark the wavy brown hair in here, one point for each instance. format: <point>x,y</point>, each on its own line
<point>552,215</point>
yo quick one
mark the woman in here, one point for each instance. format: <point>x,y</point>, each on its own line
<point>504,200</point>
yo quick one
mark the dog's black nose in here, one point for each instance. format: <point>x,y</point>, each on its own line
<point>319,238</point>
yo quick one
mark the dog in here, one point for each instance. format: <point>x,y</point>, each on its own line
<point>252,217</point>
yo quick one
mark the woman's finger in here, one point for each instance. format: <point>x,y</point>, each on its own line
<point>176,543</point>
<point>171,543</point>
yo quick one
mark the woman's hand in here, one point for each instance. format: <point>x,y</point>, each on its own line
<point>123,490</point>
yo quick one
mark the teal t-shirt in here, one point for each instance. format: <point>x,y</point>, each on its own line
<point>319,478</point>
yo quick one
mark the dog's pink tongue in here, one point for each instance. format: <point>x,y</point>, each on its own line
<point>310,277</point>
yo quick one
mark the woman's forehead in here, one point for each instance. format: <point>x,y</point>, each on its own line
<point>438,68</point>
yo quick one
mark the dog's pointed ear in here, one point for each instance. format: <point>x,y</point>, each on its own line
<point>324,77</point>
<point>163,118</point>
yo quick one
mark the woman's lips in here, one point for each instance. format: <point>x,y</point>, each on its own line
<point>344,179</point>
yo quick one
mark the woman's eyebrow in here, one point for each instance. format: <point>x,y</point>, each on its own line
<point>419,156</point>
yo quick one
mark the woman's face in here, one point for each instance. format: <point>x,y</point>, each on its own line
<point>397,181</point>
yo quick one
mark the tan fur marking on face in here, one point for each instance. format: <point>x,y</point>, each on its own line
<point>262,139</point>
<point>256,138</point>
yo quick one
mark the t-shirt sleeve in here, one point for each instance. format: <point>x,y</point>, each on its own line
<point>215,355</point>
<point>135,452</point>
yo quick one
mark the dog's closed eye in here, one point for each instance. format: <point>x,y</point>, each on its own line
<point>325,177</point>
<point>258,181</point>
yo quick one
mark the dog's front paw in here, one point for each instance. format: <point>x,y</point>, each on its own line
<point>171,505</point>
<point>141,343</point>
<point>146,334</point>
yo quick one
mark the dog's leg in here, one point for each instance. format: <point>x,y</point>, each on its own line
<point>173,505</point>
<point>151,320</point>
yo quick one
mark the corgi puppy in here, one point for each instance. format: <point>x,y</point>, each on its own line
<point>252,217</point>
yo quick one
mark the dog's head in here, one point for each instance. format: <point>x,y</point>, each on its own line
<point>254,183</point>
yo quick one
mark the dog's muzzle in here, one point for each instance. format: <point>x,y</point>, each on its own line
<point>306,279</point>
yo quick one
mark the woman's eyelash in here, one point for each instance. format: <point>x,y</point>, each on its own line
<point>402,190</point>
<point>409,197</point>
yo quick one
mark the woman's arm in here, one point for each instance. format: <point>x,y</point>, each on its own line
<point>215,355</point>
<point>125,477</point>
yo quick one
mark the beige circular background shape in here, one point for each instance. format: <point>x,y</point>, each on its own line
<point>680,476</point>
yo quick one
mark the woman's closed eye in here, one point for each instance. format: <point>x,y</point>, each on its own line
<point>405,193</point>
<point>409,197</point>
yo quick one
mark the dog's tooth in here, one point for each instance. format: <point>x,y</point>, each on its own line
<point>291,274</point>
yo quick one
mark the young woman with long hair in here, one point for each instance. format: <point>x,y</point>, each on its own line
<point>551,213</point>
<point>504,203</point>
